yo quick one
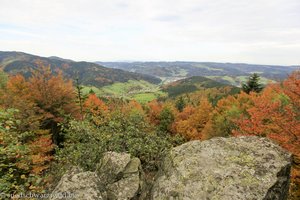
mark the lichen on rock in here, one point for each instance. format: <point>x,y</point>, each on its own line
<point>224,168</point>
<point>118,176</point>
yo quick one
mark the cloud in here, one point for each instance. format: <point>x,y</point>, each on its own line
<point>257,31</point>
<point>167,18</point>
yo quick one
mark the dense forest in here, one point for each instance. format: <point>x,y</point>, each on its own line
<point>89,73</point>
<point>47,124</point>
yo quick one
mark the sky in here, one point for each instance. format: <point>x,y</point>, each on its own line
<point>244,31</point>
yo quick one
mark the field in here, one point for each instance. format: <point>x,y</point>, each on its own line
<point>141,91</point>
<point>144,92</point>
<point>238,80</point>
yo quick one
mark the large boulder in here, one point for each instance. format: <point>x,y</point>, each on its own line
<point>76,184</point>
<point>118,176</point>
<point>224,168</point>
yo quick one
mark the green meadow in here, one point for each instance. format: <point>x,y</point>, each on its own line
<point>141,91</point>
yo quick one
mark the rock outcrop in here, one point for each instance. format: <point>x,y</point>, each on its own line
<point>246,168</point>
<point>117,177</point>
<point>224,168</point>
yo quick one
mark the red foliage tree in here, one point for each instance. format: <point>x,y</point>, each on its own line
<point>276,114</point>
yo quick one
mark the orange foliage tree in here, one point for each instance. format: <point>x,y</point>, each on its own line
<point>41,102</point>
<point>44,99</point>
<point>54,95</point>
<point>154,110</point>
<point>276,114</point>
<point>193,121</point>
<point>24,155</point>
<point>96,108</point>
<point>132,106</point>
<point>223,117</point>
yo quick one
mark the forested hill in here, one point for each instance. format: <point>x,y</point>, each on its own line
<point>232,73</point>
<point>195,83</point>
<point>88,73</point>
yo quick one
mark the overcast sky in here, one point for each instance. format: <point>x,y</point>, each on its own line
<point>250,31</point>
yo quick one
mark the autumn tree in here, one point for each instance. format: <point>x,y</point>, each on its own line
<point>224,115</point>
<point>24,155</point>
<point>192,127</point>
<point>43,99</point>
<point>275,114</point>
<point>154,110</point>
<point>18,95</point>
<point>55,98</point>
<point>132,106</point>
<point>26,134</point>
<point>96,108</point>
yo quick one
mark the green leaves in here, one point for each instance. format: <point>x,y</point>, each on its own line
<point>85,142</point>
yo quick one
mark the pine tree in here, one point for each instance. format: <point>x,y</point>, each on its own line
<point>252,84</point>
<point>180,104</point>
<point>80,97</point>
<point>3,79</point>
<point>92,91</point>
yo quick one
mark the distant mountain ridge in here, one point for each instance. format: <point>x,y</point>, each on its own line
<point>232,73</point>
<point>88,73</point>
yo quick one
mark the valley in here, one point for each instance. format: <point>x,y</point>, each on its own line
<point>141,91</point>
<point>143,81</point>
<point>63,113</point>
<point>150,100</point>
<point>229,73</point>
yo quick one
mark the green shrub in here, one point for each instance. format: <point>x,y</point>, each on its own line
<point>85,143</point>
<point>15,156</point>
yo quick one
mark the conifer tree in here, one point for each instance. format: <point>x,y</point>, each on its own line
<point>180,104</point>
<point>80,97</point>
<point>3,79</point>
<point>252,84</point>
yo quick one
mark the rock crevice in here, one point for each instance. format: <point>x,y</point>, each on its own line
<point>117,176</point>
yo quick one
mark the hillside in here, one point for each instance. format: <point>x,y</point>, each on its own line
<point>193,84</point>
<point>144,92</point>
<point>88,73</point>
<point>141,91</point>
<point>230,73</point>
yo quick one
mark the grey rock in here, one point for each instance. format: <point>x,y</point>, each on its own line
<point>126,188</point>
<point>224,168</point>
<point>120,174</point>
<point>117,177</point>
<point>111,166</point>
<point>76,184</point>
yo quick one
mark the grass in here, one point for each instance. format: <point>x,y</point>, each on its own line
<point>144,92</point>
<point>141,91</point>
<point>206,67</point>
<point>238,80</point>
<point>87,89</point>
<point>145,97</point>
